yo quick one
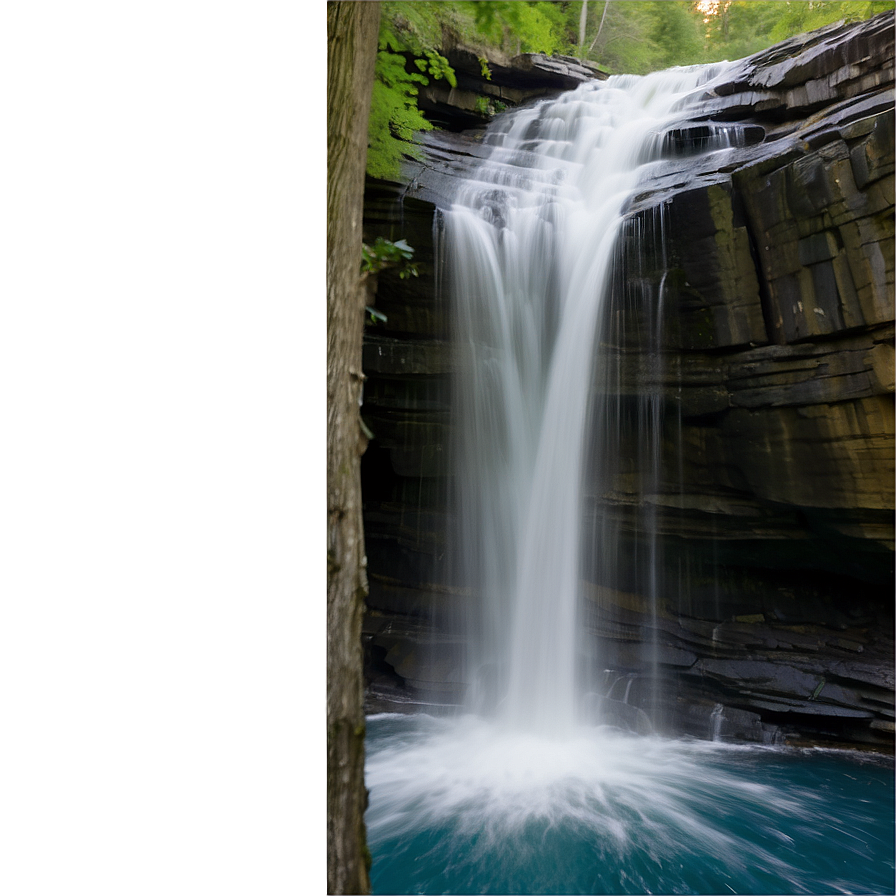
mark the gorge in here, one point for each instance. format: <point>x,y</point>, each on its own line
<point>757,599</point>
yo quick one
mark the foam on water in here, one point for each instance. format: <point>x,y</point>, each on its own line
<point>495,778</point>
<point>470,805</point>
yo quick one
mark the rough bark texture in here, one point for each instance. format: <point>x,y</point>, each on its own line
<point>352,29</point>
<point>776,521</point>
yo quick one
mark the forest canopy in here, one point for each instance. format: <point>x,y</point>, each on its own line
<point>618,36</point>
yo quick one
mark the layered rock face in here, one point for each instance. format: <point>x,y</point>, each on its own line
<point>773,518</point>
<point>510,82</point>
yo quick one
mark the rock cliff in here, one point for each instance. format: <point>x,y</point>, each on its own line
<point>775,522</point>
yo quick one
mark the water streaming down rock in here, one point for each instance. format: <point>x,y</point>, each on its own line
<point>532,244</point>
<point>716,718</point>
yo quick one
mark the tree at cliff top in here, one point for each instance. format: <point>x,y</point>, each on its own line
<point>351,51</point>
<point>807,15</point>
<point>639,37</point>
<point>738,28</point>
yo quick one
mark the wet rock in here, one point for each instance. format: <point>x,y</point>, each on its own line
<point>812,373</point>
<point>607,711</point>
<point>717,290</point>
<point>406,357</point>
<point>511,82</point>
<point>736,725</point>
<point>883,726</point>
<point>803,74</point>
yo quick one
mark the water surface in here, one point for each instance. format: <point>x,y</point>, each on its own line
<point>464,805</point>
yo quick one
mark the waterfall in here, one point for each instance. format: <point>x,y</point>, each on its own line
<point>531,247</point>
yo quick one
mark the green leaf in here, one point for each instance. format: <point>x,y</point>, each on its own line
<point>386,254</point>
<point>375,315</point>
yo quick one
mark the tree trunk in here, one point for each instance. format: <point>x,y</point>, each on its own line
<point>599,27</point>
<point>582,20</point>
<point>352,29</point>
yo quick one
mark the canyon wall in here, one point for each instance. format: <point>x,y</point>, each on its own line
<point>773,521</point>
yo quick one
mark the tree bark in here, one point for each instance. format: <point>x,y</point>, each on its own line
<point>599,27</point>
<point>583,18</point>
<point>352,29</point>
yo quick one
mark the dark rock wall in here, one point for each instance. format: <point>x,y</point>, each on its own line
<point>407,404</point>
<point>775,514</point>
<point>511,82</point>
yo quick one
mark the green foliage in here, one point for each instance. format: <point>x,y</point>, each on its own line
<point>543,29</point>
<point>411,36</point>
<point>394,116</point>
<point>386,254</point>
<point>408,31</point>
<point>740,28</point>
<point>638,37</point>
<point>437,66</point>
<point>807,15</point>
<point>743,27</point>
<point>492,19</point>
<point>375,316</point>
<point>416,25</point>
<point>487,105</point>
<point>675,32</point>
<point>634,38</point>
<point>517,27</point>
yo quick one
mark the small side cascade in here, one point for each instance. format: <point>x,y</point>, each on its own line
<point>716,718</point>
<point>630,442</point>
<point>692,138</point>
<point>626,682</point>
<point>612,707</point>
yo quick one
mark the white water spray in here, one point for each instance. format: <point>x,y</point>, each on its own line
<point>530,250</point>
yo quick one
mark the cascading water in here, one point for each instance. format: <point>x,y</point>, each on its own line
<point>531,243</point>
<point>522,796</point>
